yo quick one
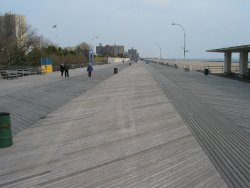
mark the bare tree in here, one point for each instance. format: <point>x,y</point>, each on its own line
<point>82,49</point>
<point>83,46</point>
<point>34,40</point>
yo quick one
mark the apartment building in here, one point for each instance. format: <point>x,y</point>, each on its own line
<point>109,50</point>
<point>13,28</point>
<point>118,50</point>
<point>132,53</point>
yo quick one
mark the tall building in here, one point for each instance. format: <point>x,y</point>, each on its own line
<point>118,50</point>
<point>13,28</point>
<point>132,53</point>
<point>109,50</point>
<point>104,50</point>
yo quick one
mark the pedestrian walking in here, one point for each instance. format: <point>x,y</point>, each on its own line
<point>62,69</point>
<point>90,69</point>
<point>66,69</point>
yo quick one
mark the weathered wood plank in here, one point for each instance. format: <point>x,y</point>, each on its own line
<point>225,143</point>
<point>31,98</point>
<point>122,133</point>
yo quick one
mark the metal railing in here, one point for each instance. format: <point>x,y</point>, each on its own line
<point>14,72</point>
<point>220,69</point>
<point>213,69</point>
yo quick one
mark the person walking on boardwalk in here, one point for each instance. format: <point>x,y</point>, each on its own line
<point>66,69</point>
<point>90,69</point>
<point>62,69</point>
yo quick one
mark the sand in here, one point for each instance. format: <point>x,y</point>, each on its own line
<point>214,67</point>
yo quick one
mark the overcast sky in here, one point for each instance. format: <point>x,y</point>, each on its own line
<point>140,23</point>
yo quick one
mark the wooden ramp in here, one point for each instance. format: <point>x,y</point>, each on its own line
<point>122,133</point>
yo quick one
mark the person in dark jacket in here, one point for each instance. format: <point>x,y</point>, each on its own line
<point>66,69</point>
<point>62,69</point>
<point>90,69</point>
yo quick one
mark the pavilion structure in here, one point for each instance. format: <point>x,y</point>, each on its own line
<point>243,63</point>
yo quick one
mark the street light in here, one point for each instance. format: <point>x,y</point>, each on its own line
<point>159,47</point>
<point>55,27</point>
<point>91,59</point>
<point>184,47</point>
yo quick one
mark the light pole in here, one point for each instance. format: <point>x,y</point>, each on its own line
<point>184,47</point>
<point>91,59</point>
<point>159,47</point>
<point>55,27</point>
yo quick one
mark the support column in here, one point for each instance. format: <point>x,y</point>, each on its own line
<point>243,63</point>
<point>227,63</point>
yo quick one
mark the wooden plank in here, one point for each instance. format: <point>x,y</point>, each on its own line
<point>226,144</point>
<point>28,104</point>
<point>122,133</point>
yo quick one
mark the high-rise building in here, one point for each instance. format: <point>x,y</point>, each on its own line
<point>13,28</point>
<point>132,53</point>
<point>109,50</point>
<point>118,50</point>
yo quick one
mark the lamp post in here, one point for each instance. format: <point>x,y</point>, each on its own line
<point>184,47</point>
<point>159,47</point>
<point>91,59</point>
<point>55,27</point>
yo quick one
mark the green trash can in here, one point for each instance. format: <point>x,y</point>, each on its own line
<point>5,130</point>
<point>206,71</point>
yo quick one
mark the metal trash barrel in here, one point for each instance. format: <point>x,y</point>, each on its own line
<point>115,70</point>
<point>206,71</point>
<point>5,130</point>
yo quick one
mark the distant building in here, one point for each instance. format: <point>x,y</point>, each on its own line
<point>13,28</point>
<point>132,54</point>
<point>104,50</point>
<point>118,50</point>
<point>109,50</point>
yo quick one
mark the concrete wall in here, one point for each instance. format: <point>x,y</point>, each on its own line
<point>117,60</point>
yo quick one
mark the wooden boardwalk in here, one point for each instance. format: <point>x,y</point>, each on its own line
<point>122,133</point>
<point>217,112</point>
<point>32,98</point>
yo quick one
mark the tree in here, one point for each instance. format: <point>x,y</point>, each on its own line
<point>28,52</point>
<point>34,40</point>
<point>9,53</point>
<point>4,52</point>
<point>35,46</point>
<point>121,55</point>
<point>83,46</point>
<point>82,49</point>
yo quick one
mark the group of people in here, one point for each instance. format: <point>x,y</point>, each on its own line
<point>65,69</point>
